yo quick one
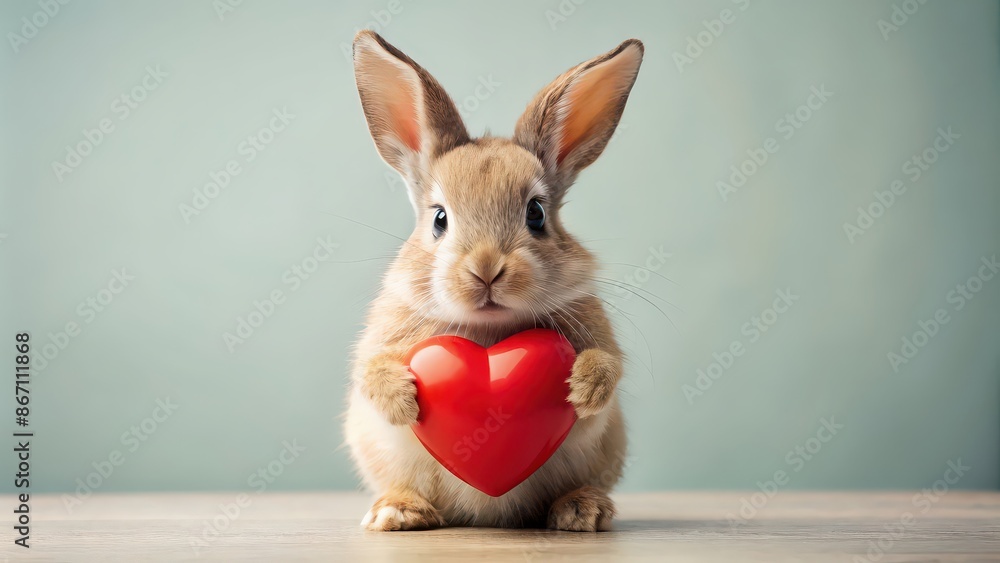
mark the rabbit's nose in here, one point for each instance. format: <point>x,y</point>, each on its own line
<point>486,265</point>
<point>488,280</point>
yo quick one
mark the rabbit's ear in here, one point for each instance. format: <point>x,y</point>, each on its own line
<point>410,116</point>
<point>569,123</point>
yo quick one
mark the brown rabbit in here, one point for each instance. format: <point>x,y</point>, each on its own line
<point>488,258</point>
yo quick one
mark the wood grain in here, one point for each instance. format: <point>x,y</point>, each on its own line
<point>670,526</point>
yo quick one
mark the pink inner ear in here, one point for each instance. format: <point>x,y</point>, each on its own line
<point>403,114</point>
<point>592,100</point>
<point>588,105</point>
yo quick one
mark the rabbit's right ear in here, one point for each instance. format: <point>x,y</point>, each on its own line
<point>570,122</point>
<point>410,116</point>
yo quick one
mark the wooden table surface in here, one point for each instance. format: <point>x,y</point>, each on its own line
<point>672,526</point>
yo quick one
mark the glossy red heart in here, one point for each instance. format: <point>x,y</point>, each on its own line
<point>492,416</point>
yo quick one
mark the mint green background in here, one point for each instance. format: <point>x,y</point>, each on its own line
<point>655,186</point>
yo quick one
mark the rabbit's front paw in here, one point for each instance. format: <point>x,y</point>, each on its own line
<point>388,384</point>
<point>593,380</point>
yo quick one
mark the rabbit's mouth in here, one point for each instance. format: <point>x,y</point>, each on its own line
<point>490,305</point>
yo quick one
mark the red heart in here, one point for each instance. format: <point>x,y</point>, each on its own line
<point>492,416</point>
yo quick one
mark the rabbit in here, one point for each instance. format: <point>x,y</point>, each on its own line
<point>488,258</point>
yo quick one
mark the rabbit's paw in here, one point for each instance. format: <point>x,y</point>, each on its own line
<point>587,509</point>
<point>401,511</point>
<point>593,380</point>
<point>388,384</point>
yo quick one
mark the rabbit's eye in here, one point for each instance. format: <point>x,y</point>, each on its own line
<point>535,216</point>
<point>440,222</point>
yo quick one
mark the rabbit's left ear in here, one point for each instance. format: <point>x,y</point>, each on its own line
<point>569,123</point>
